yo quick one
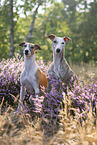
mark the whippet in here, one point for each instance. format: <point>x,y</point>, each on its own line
<point>59,66</point>
<point>31,77</point>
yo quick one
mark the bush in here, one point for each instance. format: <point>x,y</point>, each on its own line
<point>80,96</point>
<point>10,80</point>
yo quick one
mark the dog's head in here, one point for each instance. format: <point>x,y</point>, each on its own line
<point>29,48</point>
<point>58,42</point>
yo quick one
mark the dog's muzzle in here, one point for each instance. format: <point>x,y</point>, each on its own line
<point>26,52</point>
<point>57,50</point>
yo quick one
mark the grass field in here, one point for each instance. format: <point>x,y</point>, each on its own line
<point>20,129</point>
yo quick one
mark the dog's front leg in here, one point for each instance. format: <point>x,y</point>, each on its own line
<point>36,99</point>
<point>21,98</point>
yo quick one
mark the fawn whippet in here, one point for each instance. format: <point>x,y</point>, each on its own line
<point>59,66</point>
<point>31,77</point>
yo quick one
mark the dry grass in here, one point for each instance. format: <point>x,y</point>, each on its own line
<point>21,130</point>
<point>86,72</point>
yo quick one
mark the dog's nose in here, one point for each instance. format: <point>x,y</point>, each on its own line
<point>57,50</point>
<point>26,52</point>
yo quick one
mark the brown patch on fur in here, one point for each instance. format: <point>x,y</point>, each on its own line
<point>33,51</point>
<point>41,78</point>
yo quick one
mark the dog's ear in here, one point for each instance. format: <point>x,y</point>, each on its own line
<point>22,44</point>
<point>37,47</point>
<point>67,39</point>
<point>51,36</point>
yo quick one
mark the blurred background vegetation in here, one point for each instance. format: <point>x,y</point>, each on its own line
<point>33,20</point>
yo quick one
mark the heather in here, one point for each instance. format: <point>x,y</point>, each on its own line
<point>63,118</point>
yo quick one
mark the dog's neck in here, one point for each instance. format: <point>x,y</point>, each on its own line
<point>58,57</point>
<point>29,62</point>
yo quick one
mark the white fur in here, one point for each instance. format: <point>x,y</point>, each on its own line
<point>57,56</point>
<point>58,44</point>
<point>27,78</point>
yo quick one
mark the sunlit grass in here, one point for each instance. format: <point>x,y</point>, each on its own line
<point>27,132</point>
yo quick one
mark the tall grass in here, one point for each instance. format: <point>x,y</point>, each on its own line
<point>76,122</point>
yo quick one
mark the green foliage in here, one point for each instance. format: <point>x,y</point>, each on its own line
<point>88,35</point>
<point>4,33</point>
<point>76,19</point>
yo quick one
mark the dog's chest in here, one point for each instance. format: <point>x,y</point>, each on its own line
<point>60,69</point>
<point>28,79</point>
<point>27,84</point>
<point>63,71</point>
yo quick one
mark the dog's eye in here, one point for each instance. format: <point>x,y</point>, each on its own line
<point>55,41</point>
<point>25,46</point>
<point>62,42</point>
<point>32,47</point>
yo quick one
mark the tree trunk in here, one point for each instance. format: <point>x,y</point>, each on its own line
<point>12,49</point>
<point>33,21</point>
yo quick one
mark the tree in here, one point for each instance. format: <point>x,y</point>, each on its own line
<point>8,26</point>
<point>12,48</point>
<point>81,24</point>
<point>88,34</point>
<point>4,26</point>
<point>33,21</point>
<point>63,19</point>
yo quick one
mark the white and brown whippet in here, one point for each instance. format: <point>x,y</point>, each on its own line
<point>31,77</point>
<point>59,66</point>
